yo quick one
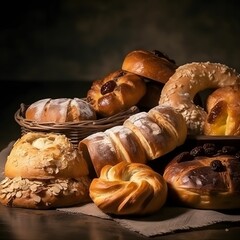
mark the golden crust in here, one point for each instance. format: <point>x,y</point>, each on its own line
<point>45,155</point>
<point>187,81</point>
<point>60,110</point>
<point>44,194</point>
<point>128,189</point>
<point>204,182</point>
<point>149,65</point>
<point>223,109</point>
<point>117,92</point>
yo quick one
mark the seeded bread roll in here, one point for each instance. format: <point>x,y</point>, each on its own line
<point>43,171</point>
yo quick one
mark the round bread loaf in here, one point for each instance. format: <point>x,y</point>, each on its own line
<point>60,110</point>
<point>206,177</point>
<point>43,171</point>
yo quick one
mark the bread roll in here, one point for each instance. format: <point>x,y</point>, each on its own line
<point>223,111</point>
<point>160,130</point>
<point>116,92</point>
<point>60,110</point>
<point>111,147</point>
<point>205,177</point>
<point>153,65</point>
<point>44,171</point>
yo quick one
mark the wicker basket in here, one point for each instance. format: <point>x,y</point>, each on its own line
<point>75,131</point>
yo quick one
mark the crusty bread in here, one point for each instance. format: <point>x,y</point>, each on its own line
<point>143,136</point>
<point>60,110</point>
<point>43,171</point>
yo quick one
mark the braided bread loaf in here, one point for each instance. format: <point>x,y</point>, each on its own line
<point>143,136</point>
<point>128,188</point>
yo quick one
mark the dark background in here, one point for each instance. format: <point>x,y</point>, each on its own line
<point>57,48</point>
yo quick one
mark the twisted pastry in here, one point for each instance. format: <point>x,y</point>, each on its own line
<point>187,81</point>
<point>143,136</point>
<point>128,188</point>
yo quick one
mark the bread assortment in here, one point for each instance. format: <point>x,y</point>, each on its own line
<point>44,171</point>
<point>111,167</point>
<point>223,111</point>
<point>205,177</point>
<point>128,189</point>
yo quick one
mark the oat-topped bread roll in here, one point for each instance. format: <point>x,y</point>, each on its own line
<point>60,110</point>
<point>223,111</point>
<point>205,177</point>
<point>42,171</point>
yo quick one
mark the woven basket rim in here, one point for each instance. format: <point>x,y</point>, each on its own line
<point>106,122</point>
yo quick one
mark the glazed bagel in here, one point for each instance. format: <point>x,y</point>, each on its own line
<point>223,108</point>
<point>153,65</point>
<point>128,189</point>
<point>205,177</point>
<point>60,110</point>
<point>44,171</point>
<point>187,81</point>
<point>117,92</point>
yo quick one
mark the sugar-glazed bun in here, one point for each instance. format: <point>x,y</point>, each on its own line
<point>117,92</point>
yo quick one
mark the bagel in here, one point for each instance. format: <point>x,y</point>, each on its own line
<point>188,80</point>
<point>128,189</point>
<point>117,92</point>
<point>223,108</point>
<point>153,65</point>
